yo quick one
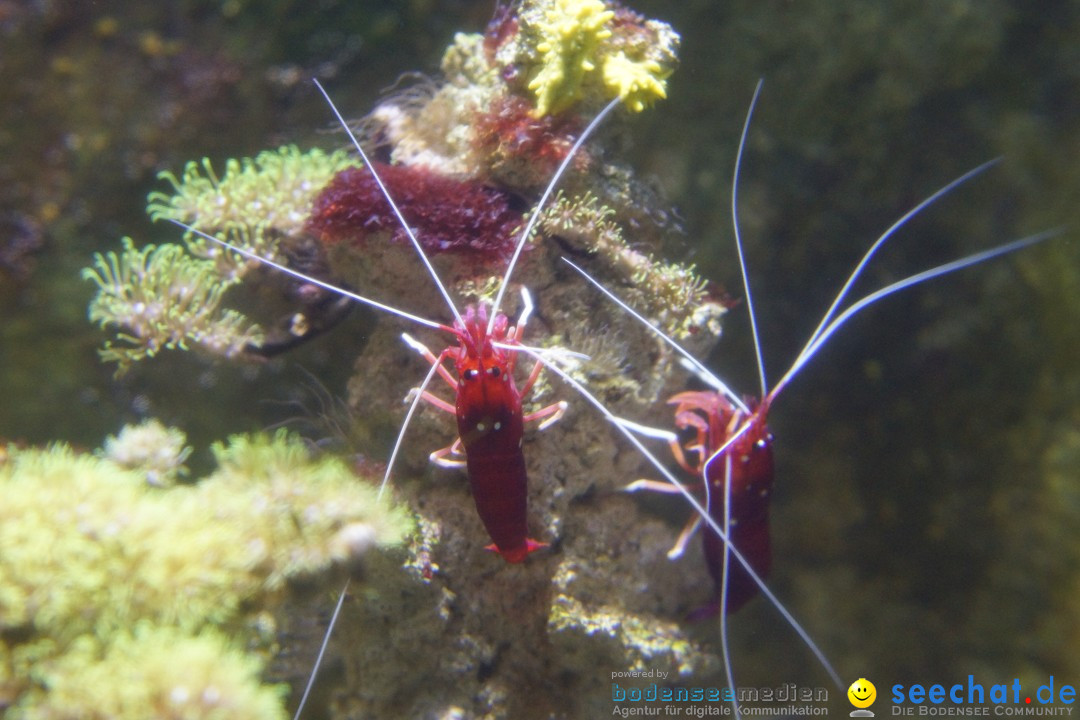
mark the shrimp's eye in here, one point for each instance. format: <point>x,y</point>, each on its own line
<point>471,374</point>
<point>494,372</point>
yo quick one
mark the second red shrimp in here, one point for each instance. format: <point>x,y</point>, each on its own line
<point>729,451</point>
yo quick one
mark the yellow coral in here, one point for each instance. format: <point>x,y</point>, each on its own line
<point>636,83</point>
<point>580,52</point>
<point>571,32</point>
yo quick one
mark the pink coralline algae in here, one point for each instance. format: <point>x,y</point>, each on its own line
<point>509,135</point>
<point>447,215</point>
<point>502,27</point>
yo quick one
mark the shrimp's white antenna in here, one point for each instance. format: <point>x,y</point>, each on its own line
<point>322,651</point>
<point>728,547</point>
<point>885,236</point>
<point>308,278</point>
<point>622,426</point>
<point>412,409</point>
<point>724,578</point>
<point>695,364</point>
<point>382,487</point>
<point>935,272</point>
<point>535,216</point>
<point>393,205</point>
<point>738,237</point>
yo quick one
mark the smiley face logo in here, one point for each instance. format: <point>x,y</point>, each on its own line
<point>862,693</point>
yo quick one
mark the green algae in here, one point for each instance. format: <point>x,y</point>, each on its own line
<point>272,190</point>
<point>98,567</point>
<point>169,297</point>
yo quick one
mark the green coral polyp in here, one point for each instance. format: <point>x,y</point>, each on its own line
<point>274,189</point>
<point>90,550</point>
<point>162,298</point>
<point>168,297</point>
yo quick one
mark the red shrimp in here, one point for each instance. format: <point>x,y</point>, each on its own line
<point>730,448</point>
<point>487,404</point>
<point>746,491</point>
<point>491,424</point>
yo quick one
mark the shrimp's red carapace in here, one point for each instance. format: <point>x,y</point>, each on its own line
<point>491,425</point>
<point>744,488</point>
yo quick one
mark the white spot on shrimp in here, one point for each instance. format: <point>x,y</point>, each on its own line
<point>480,427</point>
<point>498,425</point>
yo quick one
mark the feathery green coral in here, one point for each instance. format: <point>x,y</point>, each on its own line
<point>167,297</point>
<point>669,294</point>
<point>161,297</point>
<point>88,549</point>
<point>275,190</point>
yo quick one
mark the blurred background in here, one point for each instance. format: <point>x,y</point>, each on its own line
<point>927,503</point>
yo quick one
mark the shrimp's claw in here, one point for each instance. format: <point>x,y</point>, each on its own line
<point>518,554</point>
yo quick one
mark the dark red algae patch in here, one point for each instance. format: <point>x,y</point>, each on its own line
<point>509,132</point>
<point>447,215</point>
<point>502,27</point>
